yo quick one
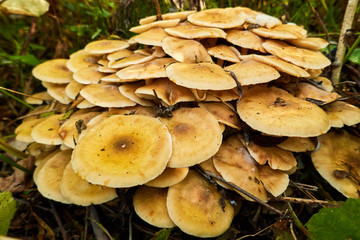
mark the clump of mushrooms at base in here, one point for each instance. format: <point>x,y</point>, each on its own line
<point>233,92</point>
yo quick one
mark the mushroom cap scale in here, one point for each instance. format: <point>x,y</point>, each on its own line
<point>123,151</point>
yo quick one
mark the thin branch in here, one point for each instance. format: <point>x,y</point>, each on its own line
<point>158,10</point>
<point>58,221</point>
<point>302,201</point>
<point>346,25</point>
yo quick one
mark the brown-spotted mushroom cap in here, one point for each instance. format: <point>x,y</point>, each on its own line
<point>169,177</point>
<point>297,144</point>
<point>198,208</point>
<point>338,162</point>
<point>224,52</point>
<point>190,31</point>
<point>150,205</point>
<point>203,76</point>
<point>123,151</point>
<point>219,18</point>
<point>105,46</point>
<point>222,113</point>
<point>184,50</point>
<point>314,44</point>
<point>245,39</point>
<point>283,32</point>
<point>166,90</point>
<point>81,192</point>
<point>53,71</point>
<point>46,132</point>
<point>298,56</point>
<point>152,69</point>
<point>195,134</point>
<point>276,112</point>
<point>235,165</point>
<point>50,174</point>
<point>251,72</point>
<point>105,96</point>
<point>342,113</point>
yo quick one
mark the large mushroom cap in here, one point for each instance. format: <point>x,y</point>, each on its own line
<point>54,71</point>
<point>123,151</point>
<point>276,112</point>
<point>197,208</point>
<point>105,46</point>
<point>338,162</point>
<point>191,31</point>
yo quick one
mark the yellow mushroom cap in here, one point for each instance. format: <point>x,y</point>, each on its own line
<point>82,61</point>
<point>297,144</point>
<point>275,181</point>
<point>203,76</point>
<point>251,72</point>
<point>88,75</point>
<point>23,131</point>
<point>283,31</point>
<point>191,31</point>
<point>50,174</point>
<point>183,50</point>
<point>105,46</point>
<point>169,177</point>
<point>134,58</point>
<point>224,52</point>
<point>197,207</point>
<point>245,39</point>
<point>342,113</point>
<point>220,18</point>
<point>195,134</point>
<point>150,205</point>
<point>39,98</point>
<point>338,162</point>
<point>72,89</point>
<point>298,56</point>
<point>309,91</point>
<point>53,71</point>
<point>46,132</point>
<point>123,151</point>
<point>57,91</point>
<point>156,24</point>
<point>276,112</point>
<point>173,15</point>
<point>81,192</point>
<point>314,44</point>
<point>153,37</point>
<point>128,90</point>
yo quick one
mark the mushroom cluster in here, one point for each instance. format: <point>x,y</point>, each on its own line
<point>233,91</point>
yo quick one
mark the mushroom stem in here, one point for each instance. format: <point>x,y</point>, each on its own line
<point>210,175</point>
<point>341,48</point>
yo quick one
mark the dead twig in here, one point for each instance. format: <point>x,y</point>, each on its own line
<point>58,221</point>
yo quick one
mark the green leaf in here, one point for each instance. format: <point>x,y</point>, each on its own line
<point>355,56</point>
<point>163,234</point>
<point>336,223</point>
<point>7,211</point>
<point>34,8</point>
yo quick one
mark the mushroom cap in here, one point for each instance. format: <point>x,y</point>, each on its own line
<point>297,144</point>
<point>325,83</point>
<point>298,56</point>
<point>150,205</point>
<point>195,134</point>
<point>275,181</point>
<point>81,192</point>
<point>123,151</point>
<point>276,112</point>
<point>168,177</point>
<point>104,66</point>
<point>70,129</point>
<point>342,113</point>
<point>190,31</point>
<point>72,89</point>
<point>50,174</point>
<point>134,58</point>
<point>105,46</point>
<point>53,71</point>
<point>156,24</point>
<point>222,113</point>
<point>251,72</point>
<point>153,37</point>
<point>339,152</point>
<point>105,96</point>
<point>167,91</point>
<point>57,91</point>
<point>128,90</point>
<point>23,131</point>
<point>39,98</point>
<point>309,91</point>
<point>245,39</point>
<point>115,79</point>
<point>117,55</point>
<point>314,44</point>
<point>85,104</point>
<point>167,16</point>
<point>235,165</point>
<point>224,52</point>
<point>184,50</point>
<point>283,32</point>
<point>198,208</point>
<point>203,76</point>
<point>278,64</point>
<point>46,132</point>
<point>82,61</point>
<point>220,18</point>
<point>88,75</point>
<point>152,69</point>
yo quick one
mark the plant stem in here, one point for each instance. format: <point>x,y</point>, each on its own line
<point>14,164</point>
<point>356,43</point>
<point>16,99</point>
<point>346,25</point>
<point>13,151</point>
